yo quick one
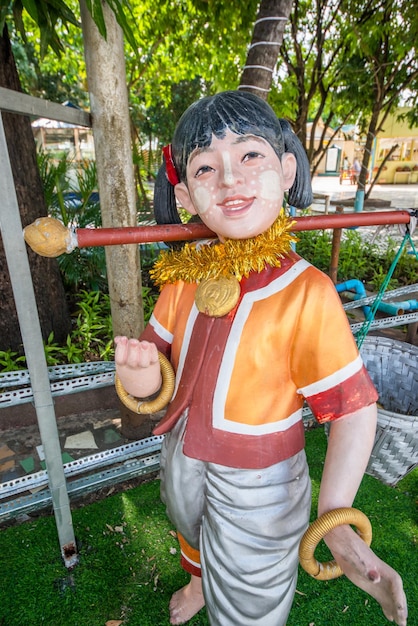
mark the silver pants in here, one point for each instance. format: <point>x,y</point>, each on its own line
<point>247,525</point>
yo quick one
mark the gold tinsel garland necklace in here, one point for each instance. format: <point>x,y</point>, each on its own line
<point>218,268</point>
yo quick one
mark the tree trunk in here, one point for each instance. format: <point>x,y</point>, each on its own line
<point>106,76</point>
<point>267,38</point>
<point>373,179</point>
<point>50,296</point>
<point>368,147</point>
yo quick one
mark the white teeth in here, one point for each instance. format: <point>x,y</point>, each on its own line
<point>233,202</point>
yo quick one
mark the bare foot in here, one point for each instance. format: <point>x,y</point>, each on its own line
<point>187,601</point>
<point>361,565</point>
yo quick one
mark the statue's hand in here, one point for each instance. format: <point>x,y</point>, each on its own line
<point>137,366</point>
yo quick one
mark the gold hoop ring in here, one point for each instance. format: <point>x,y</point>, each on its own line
<point>317,531</point>
<point>152,406</point>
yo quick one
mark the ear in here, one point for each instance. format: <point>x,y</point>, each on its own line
<point>183,197</point>
<point>289,166</point>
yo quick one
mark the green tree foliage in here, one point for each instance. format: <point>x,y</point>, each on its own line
<point>311,87</point>
<point>182,49</point>
<point>58,79</point>
<point>46,14</point>
<point>48,45</point>
<point>383,63</point>
<point>50,15</point>
<point>341,61</point>
<point>186,49</point>
<point>346,61</point>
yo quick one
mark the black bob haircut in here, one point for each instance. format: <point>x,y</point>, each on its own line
<point>242,113</point>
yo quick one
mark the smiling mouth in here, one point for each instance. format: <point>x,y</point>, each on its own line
<point>236,206</point>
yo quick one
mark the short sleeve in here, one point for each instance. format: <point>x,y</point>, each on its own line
<point>325,362</point>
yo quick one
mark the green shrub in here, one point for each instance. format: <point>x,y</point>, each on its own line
<point>91,338</point>
<point>358,259</point>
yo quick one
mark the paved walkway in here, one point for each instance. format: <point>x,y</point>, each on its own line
<point>383,197</point>
<point>399,196</point>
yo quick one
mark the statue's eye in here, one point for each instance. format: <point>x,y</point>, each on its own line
<point>249,156</point>
<point>203,170</point>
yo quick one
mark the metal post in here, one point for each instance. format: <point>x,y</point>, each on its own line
<point>359,200</point>
<point>18,263</point>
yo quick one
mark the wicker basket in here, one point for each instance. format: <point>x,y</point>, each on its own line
<point>393,367</point>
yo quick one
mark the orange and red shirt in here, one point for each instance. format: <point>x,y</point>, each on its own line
<point>245,376</point>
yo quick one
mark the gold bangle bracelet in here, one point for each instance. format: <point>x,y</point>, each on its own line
<point>317,531</point>
<point>151,406</point>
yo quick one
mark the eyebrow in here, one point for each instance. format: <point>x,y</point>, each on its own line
<point>244,138</point>
<point>238,140</point>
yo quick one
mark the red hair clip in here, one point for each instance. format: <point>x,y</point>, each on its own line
<point>172,175</point>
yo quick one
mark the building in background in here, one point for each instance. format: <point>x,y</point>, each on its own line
<point>60,138</point>
<point>396,138</point>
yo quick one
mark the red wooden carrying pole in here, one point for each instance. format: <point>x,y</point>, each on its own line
<point>87,237</point>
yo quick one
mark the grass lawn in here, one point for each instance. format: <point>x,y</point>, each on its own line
<point>129,566</point>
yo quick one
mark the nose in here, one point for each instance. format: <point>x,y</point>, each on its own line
<point>230,174</point>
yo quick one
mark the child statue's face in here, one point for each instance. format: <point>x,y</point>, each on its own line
<point>236,185</point>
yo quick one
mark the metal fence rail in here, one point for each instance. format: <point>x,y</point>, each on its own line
<point>65,379</point>
<point>108,467</point>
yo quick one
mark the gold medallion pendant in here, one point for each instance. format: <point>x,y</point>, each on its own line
<point>217,296</point>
